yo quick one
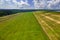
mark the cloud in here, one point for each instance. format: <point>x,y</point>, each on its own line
<point>1,1</point>
<point>22,4</point>
<point>13,4</point>
<point>39,4</point>
<point>47,4</point>
<point>53,4</point>
<point>43,4</point>
<point>8,0</point>
<point>6,4</point>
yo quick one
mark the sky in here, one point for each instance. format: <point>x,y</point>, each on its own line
<point>29,4</point>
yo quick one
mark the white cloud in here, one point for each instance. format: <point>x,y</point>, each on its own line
<point>7,0</point>
<point>1,1</point>
<point>16,5</point>
<point>53,3</point>
<point>21,3</point>
<point>50,4</point>
<point>39,4</point>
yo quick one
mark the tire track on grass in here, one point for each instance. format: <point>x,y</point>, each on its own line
<point>52,19</point>
<point>56,17</point>
<point>49,25</point>
<point>46,28</point>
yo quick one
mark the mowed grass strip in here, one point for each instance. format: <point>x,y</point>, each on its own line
<point>53,22</point>
<point>54,16</point>
<point>53,25</point>
<point>22,27</point>
<point>47,24</point>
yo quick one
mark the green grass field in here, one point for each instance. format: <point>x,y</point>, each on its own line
<point>21,26</point>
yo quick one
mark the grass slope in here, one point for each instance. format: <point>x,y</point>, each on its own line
<point>22,26</point>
